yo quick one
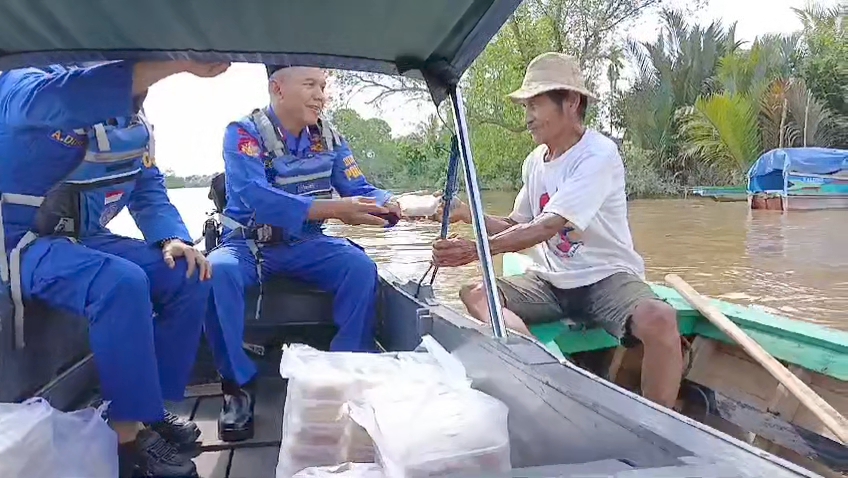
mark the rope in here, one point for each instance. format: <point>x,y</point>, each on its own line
<point>451,187</point>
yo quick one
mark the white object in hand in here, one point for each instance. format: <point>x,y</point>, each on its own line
<point>418,205</point>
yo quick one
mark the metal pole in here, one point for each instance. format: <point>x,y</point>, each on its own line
<point>477,217</point>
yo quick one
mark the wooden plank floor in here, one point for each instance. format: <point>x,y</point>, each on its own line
<point>255,458</point>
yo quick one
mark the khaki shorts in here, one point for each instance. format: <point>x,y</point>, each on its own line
<point>608,303</point>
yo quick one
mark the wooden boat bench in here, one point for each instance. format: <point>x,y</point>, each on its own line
<point>744,399</point>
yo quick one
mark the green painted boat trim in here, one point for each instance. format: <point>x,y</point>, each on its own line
<point>721,193</point>
<point>812,346</point>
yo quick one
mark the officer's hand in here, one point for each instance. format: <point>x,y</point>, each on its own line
<point>459,211</point>
<point>394,207</point>
<point>194,258</point>
<point>360,210</point>
<point>205,70</point>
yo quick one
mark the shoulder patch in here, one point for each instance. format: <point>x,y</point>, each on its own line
<point>351,170</point>
<point>247,144</point>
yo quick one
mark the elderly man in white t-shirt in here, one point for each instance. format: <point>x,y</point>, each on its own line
<point>572,207</point>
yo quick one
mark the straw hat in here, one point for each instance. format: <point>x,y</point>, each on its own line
<point>549,72</point>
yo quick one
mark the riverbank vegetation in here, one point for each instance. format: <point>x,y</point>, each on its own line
<point>701,107</point>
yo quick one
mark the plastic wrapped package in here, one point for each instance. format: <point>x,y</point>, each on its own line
<point>422,431</point>
<point>37,440</point>
<point>418,205</point>
<point>345,470</point>
<point>339,376</point>
<point>316,429</point>
<point>295,457</point>
<point>359,447</point>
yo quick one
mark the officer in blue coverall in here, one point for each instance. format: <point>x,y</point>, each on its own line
<point>281,165</point>
<point>75,149</point>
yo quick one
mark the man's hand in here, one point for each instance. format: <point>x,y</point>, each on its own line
<point>454,252</point>
<point>194,258</point>
<point>394,207</point>
<point>459,211</point>
<point>357,211</point>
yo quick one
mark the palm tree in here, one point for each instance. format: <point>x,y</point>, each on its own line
<point>673,71</point>
<point>759,107</point>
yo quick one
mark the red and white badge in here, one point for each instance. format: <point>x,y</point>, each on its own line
<point>113,196</point>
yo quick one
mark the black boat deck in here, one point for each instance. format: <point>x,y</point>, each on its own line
<point>248,459</point>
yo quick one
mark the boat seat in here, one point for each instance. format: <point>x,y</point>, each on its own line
<point>55,342</point>
<point>286,303</point>
<point>566,337</point>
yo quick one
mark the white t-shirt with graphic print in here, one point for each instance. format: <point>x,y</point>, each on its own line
<point>585,185</point>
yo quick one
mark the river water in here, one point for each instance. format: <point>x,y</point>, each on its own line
<point>793,264</point>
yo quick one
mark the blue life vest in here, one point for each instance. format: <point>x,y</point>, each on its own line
<point>87,199</point>
<point>303,176</point>
<point>306,176</point>
<point>100,187</point>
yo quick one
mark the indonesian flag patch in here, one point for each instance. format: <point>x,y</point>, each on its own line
<point>113,196</point>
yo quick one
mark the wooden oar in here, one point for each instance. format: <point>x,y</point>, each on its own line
<point>827,414</point>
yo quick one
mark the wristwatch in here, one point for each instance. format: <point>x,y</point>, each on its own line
<point>169,239</point>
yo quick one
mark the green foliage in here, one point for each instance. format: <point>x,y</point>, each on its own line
<point>707,108</point>
<point>722,131</point>
<point>415,161</point>
<point>702,107</point>
<point>672,72</point>
<point>643,179</point>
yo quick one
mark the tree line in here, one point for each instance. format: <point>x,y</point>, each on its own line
<point>703,106</point>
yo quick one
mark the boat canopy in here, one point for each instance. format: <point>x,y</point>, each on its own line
<point>769,172</point>
<point>436,40</point>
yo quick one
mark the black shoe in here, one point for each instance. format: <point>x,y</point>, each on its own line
<point>236,420</point>
<point>156,457</point>
<point>178,432</point>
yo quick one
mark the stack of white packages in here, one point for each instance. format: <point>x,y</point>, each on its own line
<point>316,429</point>
<point>424,430</point>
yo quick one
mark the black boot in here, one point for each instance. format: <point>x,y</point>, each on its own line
<point>150,455</point>
<point>181,433</point>
<point>236,420</point>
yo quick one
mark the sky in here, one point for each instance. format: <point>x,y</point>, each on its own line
<point>189,114</point>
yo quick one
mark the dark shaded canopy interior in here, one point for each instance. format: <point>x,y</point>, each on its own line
<point>434,39</point>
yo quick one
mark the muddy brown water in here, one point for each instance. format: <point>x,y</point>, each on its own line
<point>793,264</point>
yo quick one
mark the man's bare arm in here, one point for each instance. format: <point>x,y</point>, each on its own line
<point>521,236</point>
<point>148,73</point>
<point>497,225</point>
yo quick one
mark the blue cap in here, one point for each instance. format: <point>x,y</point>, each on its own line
<point>271,69</point>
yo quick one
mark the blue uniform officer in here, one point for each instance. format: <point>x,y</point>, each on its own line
<point>282,163</point>
<point>75,149</point>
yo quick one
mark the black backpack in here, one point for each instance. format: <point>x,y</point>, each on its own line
<point>218,192</point>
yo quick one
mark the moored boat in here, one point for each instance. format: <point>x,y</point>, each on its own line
<point>720,193</point>
<point>723,386</point>
<point>799,179</point>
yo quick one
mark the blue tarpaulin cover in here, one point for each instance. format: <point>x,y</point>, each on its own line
<point>767,172</point>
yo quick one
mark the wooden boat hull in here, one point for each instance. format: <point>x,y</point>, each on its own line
<point>723,387</point>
